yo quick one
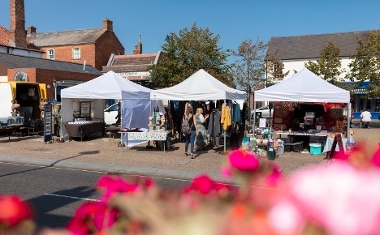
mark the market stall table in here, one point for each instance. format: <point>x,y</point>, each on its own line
<point>304,137</point>
<point>161,136</point>
<point>81,129</point>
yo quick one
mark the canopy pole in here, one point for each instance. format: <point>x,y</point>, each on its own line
<point>348,119</point>
<point>254,117</point>
<point>225,133</point>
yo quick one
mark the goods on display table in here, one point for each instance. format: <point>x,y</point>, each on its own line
<point>156,132</point>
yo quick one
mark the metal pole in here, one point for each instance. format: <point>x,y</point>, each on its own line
<point>225,134</point>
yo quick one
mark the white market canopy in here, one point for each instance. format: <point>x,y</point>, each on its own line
<point>107,86</point>
<point>199,86</point>
<point>135,105</point>
<point>303,86</point>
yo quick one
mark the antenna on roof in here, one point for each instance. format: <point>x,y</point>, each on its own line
<point>139,37</point>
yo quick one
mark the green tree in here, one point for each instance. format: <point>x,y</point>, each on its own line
<point>328,66</point>
<point>365,65</point>
<point>248,70</point>
<point>185,53</point>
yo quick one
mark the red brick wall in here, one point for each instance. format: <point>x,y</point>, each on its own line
<point>96,54</point>
<point>17,20</point>
<point>65,53</point>
<point>107,44</point>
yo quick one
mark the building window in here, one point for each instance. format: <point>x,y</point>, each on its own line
<point>76,53</point>
<point>276,70</point>
<point>50,54</point>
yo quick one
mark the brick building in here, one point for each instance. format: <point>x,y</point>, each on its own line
<point>18,56</point>
<point>90,46</point>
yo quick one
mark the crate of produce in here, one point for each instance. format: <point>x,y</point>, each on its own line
<point>315,149</point>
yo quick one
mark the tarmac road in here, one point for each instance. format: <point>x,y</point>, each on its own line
<point>103,154</point>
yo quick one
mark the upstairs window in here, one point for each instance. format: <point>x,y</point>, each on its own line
<point>50,54</point>
<point>76,53</point>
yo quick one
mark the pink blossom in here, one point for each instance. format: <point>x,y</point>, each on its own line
<point>115,184</point>
<point>243,160</point>
<point>340,197</point>
<point>274,178</point>
<point>226,172</point>
<point>13,210</point>
<point>285,218</point>
<point>90,216</point>
<point>376,158</point>
<point>205,185</point>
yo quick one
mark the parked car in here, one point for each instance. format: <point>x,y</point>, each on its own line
<point>110,114</point>
<point>264,112</point>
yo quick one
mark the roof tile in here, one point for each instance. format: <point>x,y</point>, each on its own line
<point>70,37</point>
<point>310,46</point>
<point>17,61</point>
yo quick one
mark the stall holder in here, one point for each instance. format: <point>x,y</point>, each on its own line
<point>162,136</point>
<point>84,128</point>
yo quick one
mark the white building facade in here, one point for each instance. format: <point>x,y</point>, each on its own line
<point>295,51</point>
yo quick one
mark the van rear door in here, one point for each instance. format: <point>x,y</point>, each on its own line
<point>5,100</point>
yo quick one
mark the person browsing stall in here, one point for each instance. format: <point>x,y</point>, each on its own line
<point>190,137</point>
<point>201,132</point>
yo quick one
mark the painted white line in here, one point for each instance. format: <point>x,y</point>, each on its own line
<point>76,198</point>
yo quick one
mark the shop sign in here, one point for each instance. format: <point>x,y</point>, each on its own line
<point>48,122</point>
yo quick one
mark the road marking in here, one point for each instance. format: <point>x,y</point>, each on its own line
<point>77,198</point>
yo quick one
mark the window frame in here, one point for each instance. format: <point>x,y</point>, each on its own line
<point>76,53</point>
<point>51,54</point>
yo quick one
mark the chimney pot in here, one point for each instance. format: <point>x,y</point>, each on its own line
<point>31,30</point>
<point>108,24</point>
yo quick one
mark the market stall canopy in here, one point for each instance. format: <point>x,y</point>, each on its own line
<point>107,86</point>
<point>199,86</point>
<point>304,86</point>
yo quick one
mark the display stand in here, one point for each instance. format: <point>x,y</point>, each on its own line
<point>337,140</point>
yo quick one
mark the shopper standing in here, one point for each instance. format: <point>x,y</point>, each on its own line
<point>201,132</point>
<point>190,137</point>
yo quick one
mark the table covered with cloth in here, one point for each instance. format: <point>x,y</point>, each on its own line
<point>156,135</point>
<point>84,129</point>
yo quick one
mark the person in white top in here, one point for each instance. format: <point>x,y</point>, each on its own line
<point>365,118</point>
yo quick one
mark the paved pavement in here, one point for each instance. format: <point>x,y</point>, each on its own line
<point>104,155</point>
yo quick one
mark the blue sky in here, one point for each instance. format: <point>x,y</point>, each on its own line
<point>234,21</point>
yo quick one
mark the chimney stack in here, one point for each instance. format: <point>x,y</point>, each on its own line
<point>138,47</point>
<point>31,30</point>
<point>17,30</point>
<point>107,24</point>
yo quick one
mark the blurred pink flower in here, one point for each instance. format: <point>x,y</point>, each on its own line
<point>13,210</point>
<point>339,197</point>
<point>205,185</point>
<point>243,160</point>
<point>285,218</point>
<point>114,184</point>
<point>273,178</point>
<point>90,216</point>
<point>376,158</point>
<point>226,171</point>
